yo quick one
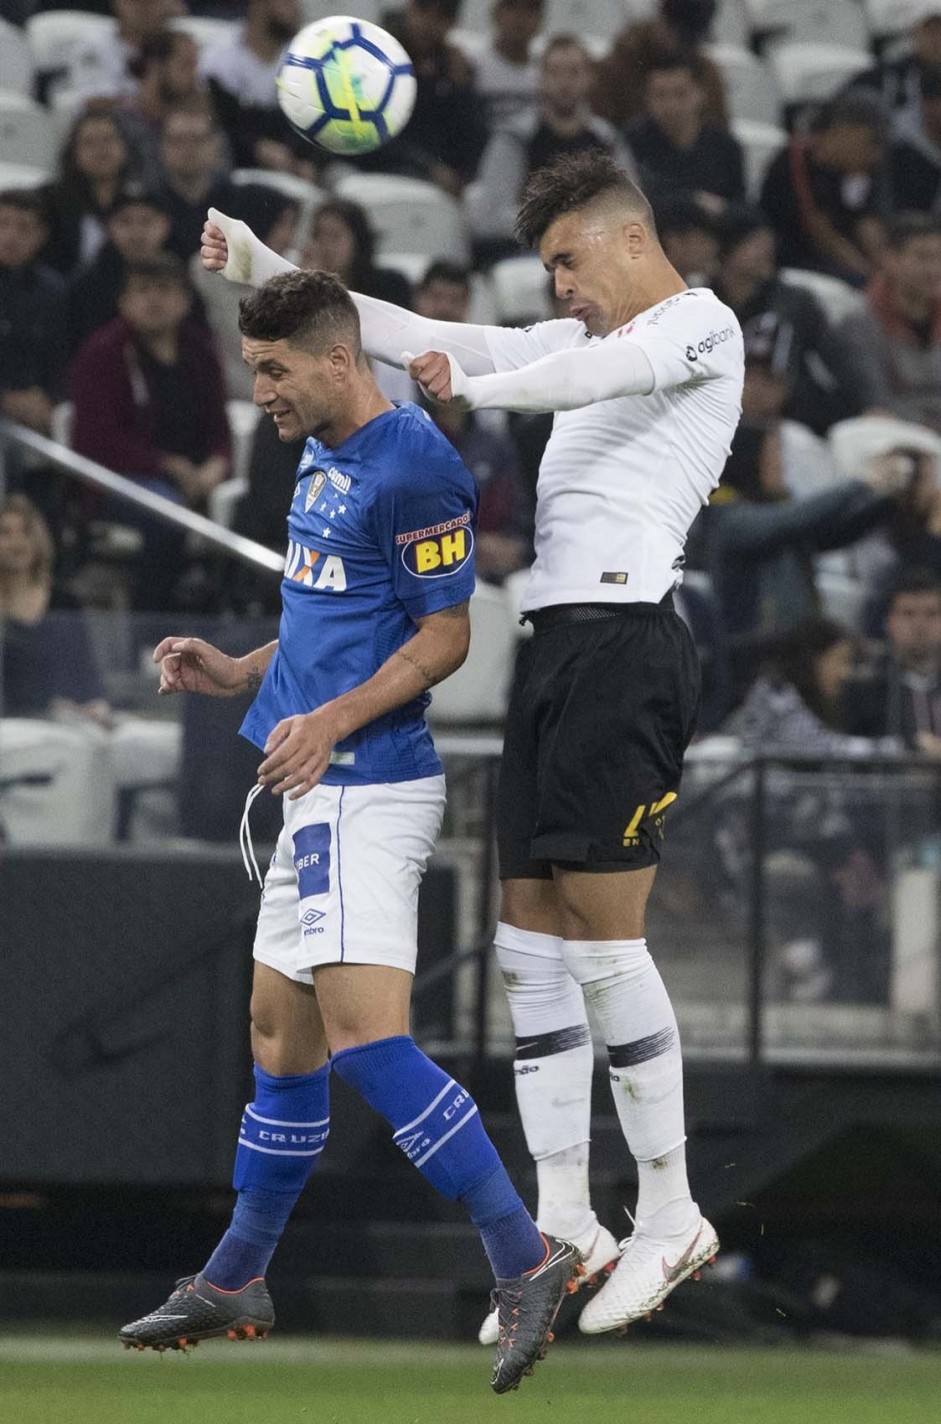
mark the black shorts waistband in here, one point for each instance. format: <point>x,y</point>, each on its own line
<point>561,615</point>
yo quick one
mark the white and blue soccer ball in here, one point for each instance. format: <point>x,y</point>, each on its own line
<point>346,85</point>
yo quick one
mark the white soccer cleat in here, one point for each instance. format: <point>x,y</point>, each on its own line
<point>599,1250</point>
<point>648,1270</point>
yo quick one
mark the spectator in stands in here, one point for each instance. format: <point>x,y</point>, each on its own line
<point>901,695</point>
<point>193,176</point>
<point>821,381</point>
<point>914,162</point>
<point>689,238</point>
<point>757,541</point>
<point>445,136</point>
<point>682,26</point>
<point>149,402</point>
<point>832,942</point>
<point>95,165</point>
<point>505,73</point>
<point>274,217</point>
<point>168,71</point>
<point>674,147</point>
<point>49,667</point>
<point>826,194</point>
<point>104,68</point>
<point>342,241</point>
<point>137,226</point>
<point>32,315</point>
<point>899,81</point>
<point>896,344</point>
<point>242,74</point>
<point>564,124</point>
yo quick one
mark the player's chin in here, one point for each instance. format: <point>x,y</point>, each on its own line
<point>288,426</point>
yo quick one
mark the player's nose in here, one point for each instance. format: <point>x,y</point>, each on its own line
<point>563,285</point>
<point>262,390</point>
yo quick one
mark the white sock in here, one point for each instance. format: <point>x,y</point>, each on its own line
<point>552,1073</point>
<point>624,988</point>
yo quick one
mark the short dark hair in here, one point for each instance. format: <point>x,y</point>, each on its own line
<point>564,41</point>
<point>163,267</point>
<point>913,580</point>
<point>136,195</point>
<point>310,309</point>
<point>449,9</point>
<point>669,61</point>
<point>857,108</point>
<point>570,182</point>
<point>27,200</point>
<point>903,228</point>
<point>441,270</point>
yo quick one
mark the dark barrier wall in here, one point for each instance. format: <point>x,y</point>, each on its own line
<point>125,982</point>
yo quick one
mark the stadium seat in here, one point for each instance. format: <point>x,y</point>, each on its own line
<point>320,9</point>
<point>16,62</point>
<point>854,444</point>
<point>521,290</point>
<point>730,26</point>
<point>56,786</point>
<point>827,22</point>
<point>243,418</point>
<point>27,134</point>
<point>477,693</point>
<point>749,84</point>
<point>887,19</point>
<point>409,215</point>
<point>838,298</point>
<point>23,175</point>
<point>760,143</point>
<point>206,31</point>
<point>304,193</point>
<point>53,37</point>
<point>842,598</point>
<point>807,73</point>
<point>806,460</point>
<point>61,423</point>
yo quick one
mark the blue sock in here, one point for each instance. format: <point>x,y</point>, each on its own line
<point>281,1138</point>
<point>436,1124</point>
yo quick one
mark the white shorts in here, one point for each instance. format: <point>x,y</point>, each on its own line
<point>342,887</point>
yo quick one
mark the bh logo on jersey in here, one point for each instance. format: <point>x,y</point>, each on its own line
<point>311,569</point>
<point>439,550</point>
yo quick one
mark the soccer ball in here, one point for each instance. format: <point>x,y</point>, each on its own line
<point>346,85</point>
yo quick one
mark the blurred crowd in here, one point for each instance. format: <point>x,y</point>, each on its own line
<point>822,232</point>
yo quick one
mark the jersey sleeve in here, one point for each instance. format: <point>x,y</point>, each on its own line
<point>690,339</point>
<point>425,526</point>
<point>514,346</point>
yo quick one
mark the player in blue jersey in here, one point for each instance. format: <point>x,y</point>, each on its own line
<point>377,579</point>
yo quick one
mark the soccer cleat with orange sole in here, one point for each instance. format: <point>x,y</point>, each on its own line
<point>197,1310</point>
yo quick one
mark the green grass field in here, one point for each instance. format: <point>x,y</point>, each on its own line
<point>55,1380</point>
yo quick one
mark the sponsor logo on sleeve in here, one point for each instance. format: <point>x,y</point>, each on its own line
<point>709,343</point>
<point>438,550</point>
<point>312,862</point>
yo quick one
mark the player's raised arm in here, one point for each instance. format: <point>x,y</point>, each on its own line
<point>231,248</point>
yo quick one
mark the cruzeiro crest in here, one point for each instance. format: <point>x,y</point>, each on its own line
<point>315,489</point>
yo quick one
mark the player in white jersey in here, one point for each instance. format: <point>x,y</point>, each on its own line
<point>646,375</point>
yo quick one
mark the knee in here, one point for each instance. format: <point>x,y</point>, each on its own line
<point>280,1051</point>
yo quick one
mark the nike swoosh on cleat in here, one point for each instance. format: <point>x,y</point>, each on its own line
<point>670,1273</point>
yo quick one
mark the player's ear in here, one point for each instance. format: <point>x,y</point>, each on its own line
<point>636,237</point>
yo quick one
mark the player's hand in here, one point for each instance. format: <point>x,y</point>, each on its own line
<point>214,250</point>
<point>439,376</point>
<point>228,246</point>
<point>191,665</point>
<point>297,753</point>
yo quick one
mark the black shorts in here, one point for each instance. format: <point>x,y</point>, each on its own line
<point>600,715</point>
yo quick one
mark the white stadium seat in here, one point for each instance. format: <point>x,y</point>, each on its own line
<point>836,22</point>
<point>27,134</point>
<point>889,18</point>
<point>320,9</point>
<point>478,691</point>
<point>205,31</point>
<point>54,36</point>
<point>808,73</point>
<point>61,423</point>
<point>16,62</point>
<point>855,444</point>
<point>305,194</point>
<point>521,290</point>
<point>730,26</point>
<point>409,215</point>
<point>749,84</point>
<point>838,299</point>
<point>23,175</point>
<point>760,142</point>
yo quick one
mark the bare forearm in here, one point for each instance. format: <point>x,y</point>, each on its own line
<point>428,658</point>
<point>254,665</point>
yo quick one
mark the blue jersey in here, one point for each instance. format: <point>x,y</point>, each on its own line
<point>380,533</point>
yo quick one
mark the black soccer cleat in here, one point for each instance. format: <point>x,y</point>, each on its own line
<point>199,1311</point>
<point>526,1310</point>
